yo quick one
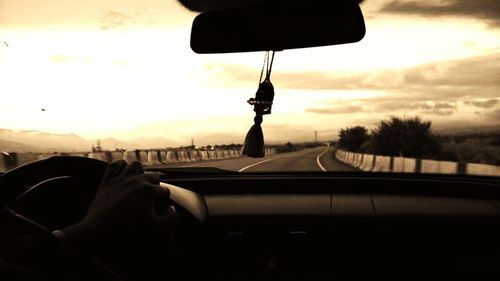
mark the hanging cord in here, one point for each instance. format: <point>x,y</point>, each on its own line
<point>266,55</point>
<point>269,65</point>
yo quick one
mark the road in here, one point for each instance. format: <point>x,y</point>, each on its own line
<point>308,160</point>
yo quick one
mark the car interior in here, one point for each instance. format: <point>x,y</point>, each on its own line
<point>280,225</point>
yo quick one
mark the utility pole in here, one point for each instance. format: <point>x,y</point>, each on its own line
<point>192,142</point>
<point>98,148</point>
<point>316,136</point>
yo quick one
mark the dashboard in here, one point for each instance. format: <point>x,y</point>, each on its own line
<point>318,228</point>
<point>305,226</point>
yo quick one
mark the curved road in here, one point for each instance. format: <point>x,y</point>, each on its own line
<point>308,160</point>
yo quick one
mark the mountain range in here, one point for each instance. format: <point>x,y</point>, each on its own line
<point>35,141</point>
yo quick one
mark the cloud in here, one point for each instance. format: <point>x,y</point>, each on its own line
<point>67,58</point>
<point>482,104</point>
<point>121,62</point>
<point>477,77</point>
<point>115,20</point>
<point>59,58</point>
<point>488,10</point>
<point>494,115</point>
<point>384,104</point>
<point>442,105</point>
<point>336,110</point>
<point>204,5</point>
<point>439,109</point>
<point>389,103</point>
<point>438,89</point>
<point>439,112</point>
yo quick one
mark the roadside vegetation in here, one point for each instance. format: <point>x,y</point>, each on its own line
<point>414,138</point>
<point>473,148</point>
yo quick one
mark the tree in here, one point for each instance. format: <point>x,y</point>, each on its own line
<point>288,147</point>
<point>353,138</point>
<point>408,137</point>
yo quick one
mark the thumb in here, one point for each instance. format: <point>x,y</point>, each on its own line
<point>167,223</point>
<point>170,217</point>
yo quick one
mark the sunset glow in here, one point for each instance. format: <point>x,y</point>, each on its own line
<point>126,70</point>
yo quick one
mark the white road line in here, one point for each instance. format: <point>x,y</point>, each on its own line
<point>319,162</point>
<point>255,164</point>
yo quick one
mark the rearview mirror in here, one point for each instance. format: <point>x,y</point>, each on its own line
<point>278,25</point>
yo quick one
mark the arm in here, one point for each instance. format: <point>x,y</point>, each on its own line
<point>125,206</point>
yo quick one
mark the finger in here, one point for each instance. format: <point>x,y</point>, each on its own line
<point>114,169</point>
<point>134,168</point>
<point>161,200</point>
<point>151,177</point>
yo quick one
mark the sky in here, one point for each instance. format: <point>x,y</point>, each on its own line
<point>124,69</point>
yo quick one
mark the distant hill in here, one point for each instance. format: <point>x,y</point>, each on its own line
<point>140,143</point>
<point>463,130</point>
<point>45,142</point>
<point>10,146</point>
<point>35,141</point>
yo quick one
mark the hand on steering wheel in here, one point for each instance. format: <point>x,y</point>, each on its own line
<point>114,212</point>
<point>129,206</point>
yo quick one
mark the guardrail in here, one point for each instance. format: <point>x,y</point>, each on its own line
<point>379,163</point>
<point>146,157</point>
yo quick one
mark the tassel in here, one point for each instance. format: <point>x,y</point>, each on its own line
<point>262,103</point>
<point>254,141</point>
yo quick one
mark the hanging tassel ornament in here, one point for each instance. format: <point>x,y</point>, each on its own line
<point>262,104</point>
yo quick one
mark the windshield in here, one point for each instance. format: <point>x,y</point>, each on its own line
<point>117,79</point>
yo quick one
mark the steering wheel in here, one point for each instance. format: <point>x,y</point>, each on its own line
<point>56,192</point>
<point>51,193</point>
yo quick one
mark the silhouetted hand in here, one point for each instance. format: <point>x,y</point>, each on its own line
<point>129,206</point>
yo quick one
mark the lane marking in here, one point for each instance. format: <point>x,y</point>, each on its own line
<point>255,164</point>
<point>258,163</point>
<point>319,162</point>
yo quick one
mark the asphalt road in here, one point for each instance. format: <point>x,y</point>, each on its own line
<point>308,160</point>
